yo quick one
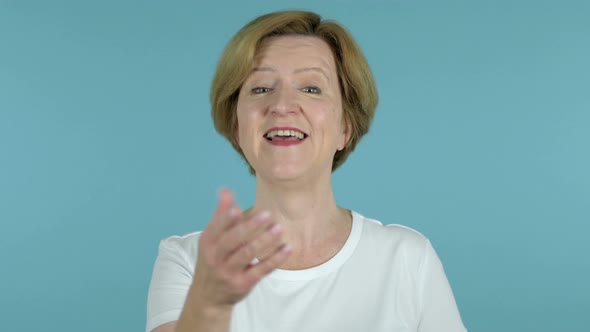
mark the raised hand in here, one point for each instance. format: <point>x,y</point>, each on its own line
<point>235,252</point>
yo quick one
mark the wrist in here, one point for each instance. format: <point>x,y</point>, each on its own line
<point>202,306</point>
<point>215,312</point>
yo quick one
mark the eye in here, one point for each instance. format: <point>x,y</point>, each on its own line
<point>311,89</point>
<point>259,90</point>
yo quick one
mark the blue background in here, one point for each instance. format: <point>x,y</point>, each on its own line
<point>481,142</point>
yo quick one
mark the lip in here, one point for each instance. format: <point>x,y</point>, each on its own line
<point>286,128</point>
<point>285,143</point>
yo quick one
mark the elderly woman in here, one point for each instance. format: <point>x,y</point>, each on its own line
<point>294,95</point>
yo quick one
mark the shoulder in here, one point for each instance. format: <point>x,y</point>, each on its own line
<point>183,247</point>
<point>391,235</point>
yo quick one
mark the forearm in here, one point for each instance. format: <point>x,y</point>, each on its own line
<point>197,316</point>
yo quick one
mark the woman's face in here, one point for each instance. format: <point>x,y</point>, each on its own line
<point>290,121</point>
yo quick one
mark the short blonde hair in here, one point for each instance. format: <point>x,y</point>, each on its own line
<point>359,94</point>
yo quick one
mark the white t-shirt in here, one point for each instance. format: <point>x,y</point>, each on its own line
<point>384,278</point>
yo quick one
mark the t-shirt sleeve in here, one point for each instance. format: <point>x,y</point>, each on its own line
<point>171,279</point>
<point>439,309</point>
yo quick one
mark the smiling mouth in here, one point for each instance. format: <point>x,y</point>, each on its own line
<point>285,135</point>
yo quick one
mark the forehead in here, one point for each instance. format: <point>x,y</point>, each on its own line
<point>295,51</point>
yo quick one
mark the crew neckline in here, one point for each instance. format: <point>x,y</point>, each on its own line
<point>333,263</point>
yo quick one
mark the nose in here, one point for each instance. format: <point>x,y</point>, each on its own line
<point>283,102</point>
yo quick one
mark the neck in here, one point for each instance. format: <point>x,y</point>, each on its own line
<point>307,212</point>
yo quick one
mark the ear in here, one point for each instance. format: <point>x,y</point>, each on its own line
<point>346,134</point>
<point>236,134</point>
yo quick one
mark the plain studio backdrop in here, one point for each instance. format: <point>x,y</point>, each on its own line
<point>481,142</point>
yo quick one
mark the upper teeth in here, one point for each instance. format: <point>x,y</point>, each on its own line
<point>284,133</point>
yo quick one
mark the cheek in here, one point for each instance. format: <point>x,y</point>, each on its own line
<point>332,118</point>
<point>240,131</point>
<point>246,126</point>
<point>242,121</point>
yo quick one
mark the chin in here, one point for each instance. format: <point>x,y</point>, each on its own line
<point>281,173</point>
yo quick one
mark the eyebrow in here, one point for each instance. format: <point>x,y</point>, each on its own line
<point>296,71</point>
<point>316,69</point>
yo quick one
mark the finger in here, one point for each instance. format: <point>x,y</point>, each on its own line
<point>265,244</point>
<point>243,232</point>
<point>225,199</point>
<point>226,213</point>
<point>255,272</point>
